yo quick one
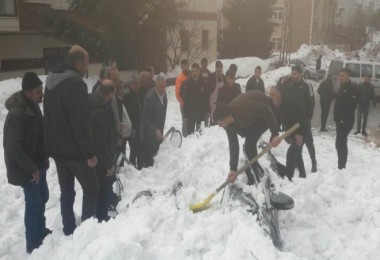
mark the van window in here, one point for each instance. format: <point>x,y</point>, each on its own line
<point>377,71</point>
<point>366,69</point>
<point>354,70</point>
<point>335,67</point>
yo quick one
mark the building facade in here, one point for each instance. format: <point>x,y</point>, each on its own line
<point>302,22</point>
<point>195,36</point>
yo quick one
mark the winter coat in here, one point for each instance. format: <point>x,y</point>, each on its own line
<point>144,90</point>
<point>132,103</point>
<point>227,93</point>
<point>326,91</point>
<point>153,118</point>
<point>318,64</point>
<point>67,118</point>
<point>366,94</point>
<point>254,84</point>
<point>96,87</point>
<point>297,106</point>
<point>178,83</point>
<point>23,139</point>
<point>195,99</point>
<point>212,82</point>
<point>103,131</point>
<point>251,111</point>
<point>345,103</point>
<point>205,76</point>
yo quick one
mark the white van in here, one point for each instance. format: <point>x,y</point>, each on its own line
<point>357,68</point>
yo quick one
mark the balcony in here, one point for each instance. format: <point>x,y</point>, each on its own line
<point>9,24</point>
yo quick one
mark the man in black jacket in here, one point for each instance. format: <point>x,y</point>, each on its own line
<point>296,108</point>
<point>102,76</point>
<point>25,157</point>
<point>68,139</point>
<point>104,136</point>
<point>366,94</point>
<point>195,100</point>
<point>132,103</point>
<point>255,82</point>
<point>326,92</point>
<point>153,120</point>
<point>215,83</point>
<point>344,115</point>
<point>230,90</point>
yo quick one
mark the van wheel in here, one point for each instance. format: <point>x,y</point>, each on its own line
<point>307,75</point>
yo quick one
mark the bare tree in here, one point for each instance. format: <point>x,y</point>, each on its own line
<point>184,41</point>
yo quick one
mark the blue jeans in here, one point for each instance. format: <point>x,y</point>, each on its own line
<point>36,196</point>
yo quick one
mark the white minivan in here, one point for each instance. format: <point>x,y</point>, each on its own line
<point>357,69</point>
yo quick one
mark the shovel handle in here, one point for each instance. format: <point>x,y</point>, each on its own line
<point>264,151</point>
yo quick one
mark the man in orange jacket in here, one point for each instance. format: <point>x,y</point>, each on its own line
<point>178,83</point>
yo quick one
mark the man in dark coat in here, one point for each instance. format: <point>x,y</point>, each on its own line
<point>132,103</point>
<point>248,115</point>
<point>230,90</point>
<point>326,92</point>
<point>195,100</point>
<point>309,140</point>
<point>25,156</point>
<point>296,108</point>
<point>104,134</point>
<point>68,139</point>
<point>255,82</point>
<point>153,120</point>
<point>366,94</point>
<point>344,115</point>
<point>216,82</point>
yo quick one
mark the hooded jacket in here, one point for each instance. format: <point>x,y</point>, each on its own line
<point>67,117</point>
<point>345,103</point>
<point>23,139</point>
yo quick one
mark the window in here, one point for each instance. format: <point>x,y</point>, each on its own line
<point>205,35</point>
<point>341,11</point>
<point>366,70</point>
<point>184,40</point>
<point>354,69</point>
<point>377,71</point>
<point>7,8</point>
<point>276,43</point>
<point>278,13</point>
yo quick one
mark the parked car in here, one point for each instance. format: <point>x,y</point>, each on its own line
<point>308,68</point>
<point>357,69</point>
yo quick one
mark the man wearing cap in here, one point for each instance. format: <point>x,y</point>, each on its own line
<point>25,157</point>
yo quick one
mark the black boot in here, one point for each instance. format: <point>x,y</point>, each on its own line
<point>357,132</point>
<point>364,133</point>
<point>314,166</point>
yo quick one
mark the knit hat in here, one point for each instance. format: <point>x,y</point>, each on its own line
<point>30,81</point>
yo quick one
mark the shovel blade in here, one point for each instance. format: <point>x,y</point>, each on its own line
<point>203,205</point>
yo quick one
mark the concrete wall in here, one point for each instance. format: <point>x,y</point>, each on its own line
<point>55,4</point>
<point>26,46</point>
<point>9,24</point>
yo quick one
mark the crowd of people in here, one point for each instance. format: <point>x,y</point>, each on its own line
<point>85,133</point>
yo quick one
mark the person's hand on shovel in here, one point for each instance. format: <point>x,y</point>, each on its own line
<point>232,177</point>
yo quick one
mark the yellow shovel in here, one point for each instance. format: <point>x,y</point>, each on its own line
<point>205,204</point>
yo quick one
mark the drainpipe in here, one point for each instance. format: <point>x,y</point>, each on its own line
<point>311,22</point>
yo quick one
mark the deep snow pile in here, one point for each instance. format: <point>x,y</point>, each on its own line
<point>371,50</point>
<point>336,214</point>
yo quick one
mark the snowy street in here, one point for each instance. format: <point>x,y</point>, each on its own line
<point>336,214</point>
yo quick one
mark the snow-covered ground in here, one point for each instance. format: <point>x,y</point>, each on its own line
<point>336,214</point>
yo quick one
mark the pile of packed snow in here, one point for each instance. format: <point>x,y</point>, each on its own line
<point>312,52</point>
<point>371,49</point>
<point>336,214</point>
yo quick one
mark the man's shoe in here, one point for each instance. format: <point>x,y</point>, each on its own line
<point>364,133</point>
<point>314,166</point>
<point>357,132</point>
<point>323,130</point>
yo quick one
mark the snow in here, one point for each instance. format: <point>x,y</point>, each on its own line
<point>336,214</point>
